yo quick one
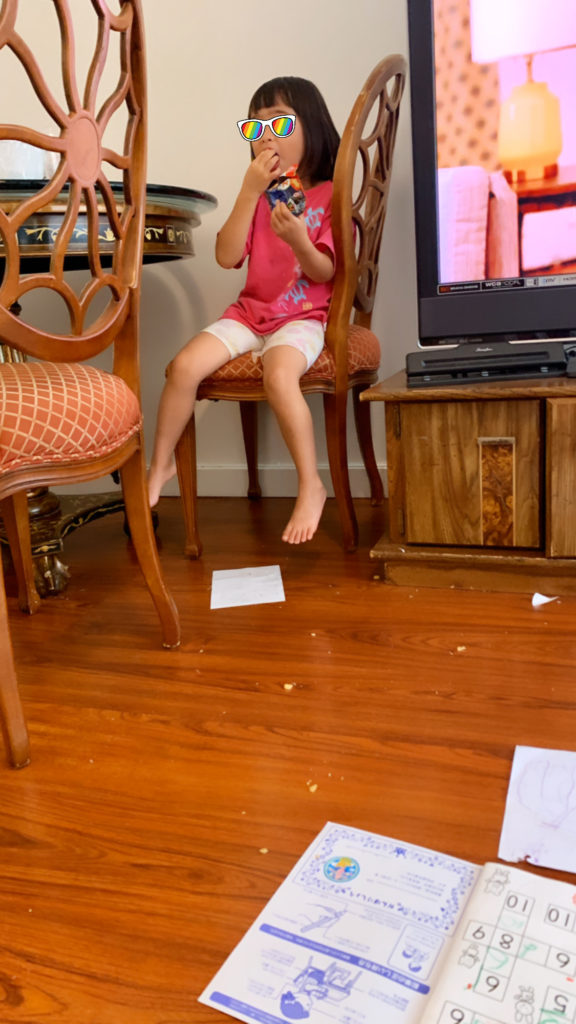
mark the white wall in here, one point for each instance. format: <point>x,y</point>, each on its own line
<point>205,59</point>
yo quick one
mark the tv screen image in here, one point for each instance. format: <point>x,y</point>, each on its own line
<point>494,145</point>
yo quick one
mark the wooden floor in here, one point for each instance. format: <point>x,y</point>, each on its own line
<point>133,847</point>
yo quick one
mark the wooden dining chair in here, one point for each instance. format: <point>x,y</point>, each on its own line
<point>62,420</point>
<point>350,358</point>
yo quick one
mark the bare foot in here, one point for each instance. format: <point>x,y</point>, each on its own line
<point>157,477</point>
<point>306,515</point>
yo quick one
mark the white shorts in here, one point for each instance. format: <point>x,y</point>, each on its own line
<point>305,335</point>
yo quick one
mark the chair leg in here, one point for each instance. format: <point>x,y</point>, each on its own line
<point>186,466</point>
<point>335,416</point>
<point>364,433</point>
<point>249,417</point>
<point>11,714</point>
<point>140,522</point>
<point>14,512</point>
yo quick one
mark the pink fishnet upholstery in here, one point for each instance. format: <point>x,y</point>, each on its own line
<point>62,412</point>
<point>363,354</point>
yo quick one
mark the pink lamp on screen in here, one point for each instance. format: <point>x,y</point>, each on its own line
<point>530,131</point>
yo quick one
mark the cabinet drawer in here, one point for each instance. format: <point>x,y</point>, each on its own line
<point>561,477</point>
<point>472,472</point>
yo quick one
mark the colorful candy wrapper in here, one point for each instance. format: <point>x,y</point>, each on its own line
<point>287,189</point>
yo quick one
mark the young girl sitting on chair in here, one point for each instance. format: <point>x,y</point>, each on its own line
<point>280,316</point>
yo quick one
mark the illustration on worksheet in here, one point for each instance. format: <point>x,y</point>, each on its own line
<point>497,882</point>
<point>524,1000</point>
<point>469,956</point>
<point>416,951</point>
<point>313,984</point>
<point>326,917</point>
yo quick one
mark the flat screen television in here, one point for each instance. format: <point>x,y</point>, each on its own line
<point>495,231</point>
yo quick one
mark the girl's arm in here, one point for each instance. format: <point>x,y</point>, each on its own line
<point>232,237</point>
<point>317,265</point>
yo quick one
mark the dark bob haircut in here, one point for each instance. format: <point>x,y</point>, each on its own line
<point>321,140</point>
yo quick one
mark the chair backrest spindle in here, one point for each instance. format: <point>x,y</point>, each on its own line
<point>361,184</point>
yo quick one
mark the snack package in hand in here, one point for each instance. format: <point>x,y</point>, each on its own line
<point>287,189</point>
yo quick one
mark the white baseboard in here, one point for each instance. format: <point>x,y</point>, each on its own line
<point>232,482</point>
<point>275,481</point>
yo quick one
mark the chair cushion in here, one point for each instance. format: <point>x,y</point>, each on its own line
<point>363,354</point>
<point>61,412</point>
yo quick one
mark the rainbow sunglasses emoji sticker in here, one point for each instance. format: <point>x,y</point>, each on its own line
<point>252,128</point>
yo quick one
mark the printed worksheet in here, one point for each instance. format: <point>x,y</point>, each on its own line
<point>368,929</point>
<point>513,959</point>
<point>356,934</point>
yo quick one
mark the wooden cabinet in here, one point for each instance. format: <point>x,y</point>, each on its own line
<point>471,472</point>
<point>482,484</point>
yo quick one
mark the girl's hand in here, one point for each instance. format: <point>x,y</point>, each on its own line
<point>262,170</point>
<point>289,228</point>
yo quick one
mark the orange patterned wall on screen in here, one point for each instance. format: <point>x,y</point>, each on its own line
<point>467,94</point>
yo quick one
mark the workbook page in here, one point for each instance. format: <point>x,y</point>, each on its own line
<point>356,934</point>
<point>513,958</point>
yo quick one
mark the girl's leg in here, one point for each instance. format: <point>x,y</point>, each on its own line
<point>202,356</point>
<point>283,366</point>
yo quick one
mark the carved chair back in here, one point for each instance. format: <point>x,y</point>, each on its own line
<point>361,183</point>
<point>80,125</point>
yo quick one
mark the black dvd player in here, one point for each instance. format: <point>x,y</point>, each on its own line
<point>473,363</point>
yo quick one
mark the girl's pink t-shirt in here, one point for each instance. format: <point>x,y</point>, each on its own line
<point>276,290</point>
